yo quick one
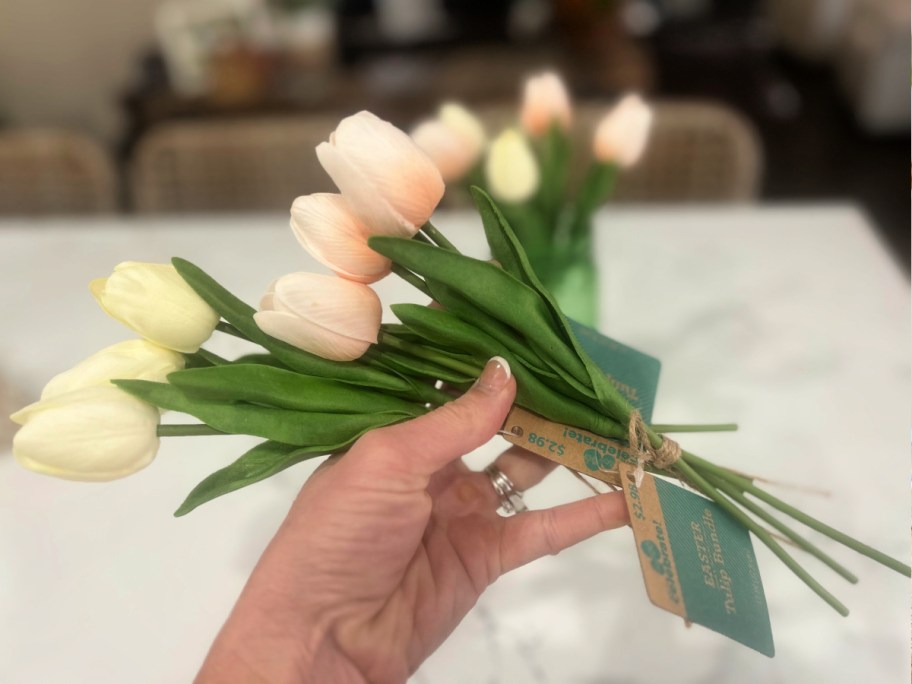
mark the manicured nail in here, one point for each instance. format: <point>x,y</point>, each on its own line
<point>496,374</point>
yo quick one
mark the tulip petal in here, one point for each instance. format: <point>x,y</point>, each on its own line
<point>326,227</point>
<point>309,336</point>
<point>136,359</point>
<point>374,210</point>
<point>388,180</point>
<point>511,169</point>
<point>622,134</point>
<point>545,101</point>
<point>350,309</point>
<point>156,302</point>
<point>95,434</point>
<point>449,152</point>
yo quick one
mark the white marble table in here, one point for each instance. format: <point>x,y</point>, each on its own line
<point>790,320</point>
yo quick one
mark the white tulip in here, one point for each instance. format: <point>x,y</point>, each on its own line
<point>327,228</point>
<point>134,359</point>
<point>621,136</point>
<point>333,318</point>
<point>388,181</point>
<point>511,169</point>
<point>157,303</point>
<point>94,434</point>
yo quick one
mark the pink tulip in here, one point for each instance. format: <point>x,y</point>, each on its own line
<point>622,134</point>
<point>326,227</point>
<point>545,102</point>
<point>449,153</point>
<point>324,315</point>
<point>388,181</point>
<point>454,140</point>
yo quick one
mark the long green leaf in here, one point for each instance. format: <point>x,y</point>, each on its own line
<point>505,245</point>
<point>281,425</point>
<point>441,327</point>
<point>271,386</point>
<point>491,289</point>
<point>262,461</point>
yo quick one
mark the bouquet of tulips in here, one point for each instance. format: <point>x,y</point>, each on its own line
<point>526,169</point>
<point>328,371</point>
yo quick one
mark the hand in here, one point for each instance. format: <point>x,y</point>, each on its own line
<point>386,549</point>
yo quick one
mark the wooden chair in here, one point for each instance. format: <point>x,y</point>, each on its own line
<point>54,172</point>
<point>241,165</point>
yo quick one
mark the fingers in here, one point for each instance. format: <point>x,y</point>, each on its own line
<point>524,468</point>
<point>426,444</point>
<point>534,534</point>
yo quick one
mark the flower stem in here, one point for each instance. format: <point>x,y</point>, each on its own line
<point>437,237</point>
<point>428,355</point>
<point>686,427</point>
<point>229,329</point>
<point>700,483</point>
<point>733,493</point>
<point>187,430</point>
<point>745,485</point>
<point>415,281</point>
<point>212,358</point>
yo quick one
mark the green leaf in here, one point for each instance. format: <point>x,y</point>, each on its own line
<point>457,305</point>
<point>491,289</point>
<point>502,236</point>
<point>280,388</point>
<point>262,461</point>
<point>281,425</point>
<point>443,328</point>
<point>240,315</point>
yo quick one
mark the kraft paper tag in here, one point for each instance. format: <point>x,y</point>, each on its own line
<point>584,452</point>
<point>697,562</point>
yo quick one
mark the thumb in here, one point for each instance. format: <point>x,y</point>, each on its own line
<point>426,444</point>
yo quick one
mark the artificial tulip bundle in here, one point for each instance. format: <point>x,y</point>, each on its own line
<point>329,371</point>
<point>526,168</point>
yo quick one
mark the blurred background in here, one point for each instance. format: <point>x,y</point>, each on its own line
<point>143,106</point>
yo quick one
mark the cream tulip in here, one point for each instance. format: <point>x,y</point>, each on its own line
<point>134,359</point>
<point>326,227</point>
<point>333,318</point>
<point>388,181</point>
<point>94,434</point>
<point>157,303</point>
<point>622,134</point>
<point>545,102</point>
<point>511,170</point>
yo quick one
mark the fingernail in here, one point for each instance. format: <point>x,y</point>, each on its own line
<point>496,374</point>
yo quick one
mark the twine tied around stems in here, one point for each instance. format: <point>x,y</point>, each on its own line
<point>661,457</point>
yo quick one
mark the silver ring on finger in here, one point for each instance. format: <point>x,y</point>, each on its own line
<point>511,499</point>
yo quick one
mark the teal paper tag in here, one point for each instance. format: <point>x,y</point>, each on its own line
<point>635,374</point>
<point>697,561</point>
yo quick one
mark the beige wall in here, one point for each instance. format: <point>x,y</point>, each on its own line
<point>66,62</point>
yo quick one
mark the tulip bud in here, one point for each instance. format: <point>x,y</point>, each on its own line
<point>621,136</point>
<point>94,434</point>
<point>326,227</point>
<point>545,102</point>
<point>511,169</point>
<point>327,316</point>
<point>157,303</point>
<point>388,181</point>
<point>445,148</point>
<point>134,359</point>
<point>454,140</point>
